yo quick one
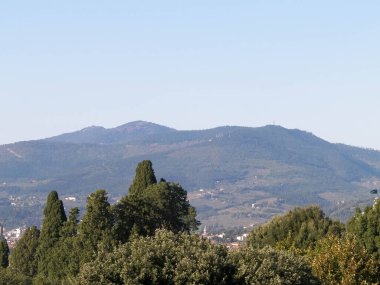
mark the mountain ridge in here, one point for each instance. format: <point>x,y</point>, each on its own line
<point>119,134</point>
<point>237,167</point>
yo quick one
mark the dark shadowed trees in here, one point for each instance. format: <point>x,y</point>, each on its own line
<point>55,254</point>
<point>64,262</point>
<point>96,225</point>
<point>150,205</point>
<point>23,258</point>
<point>4,253</point>
<point>54,218</point>
<point>144,177</point>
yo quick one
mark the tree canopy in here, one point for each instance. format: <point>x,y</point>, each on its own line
<point>144,177</point>
<point>150,205</point>
<point>54,218</point>
<point>365,225</point>
<point>4,253</point>
<point>96,225</point>
<point>268,266</point>
<point>165,258</point>
<point>148,237</point>
<point>343,261</point>
<point>23,258</point>
<point>300,228</point>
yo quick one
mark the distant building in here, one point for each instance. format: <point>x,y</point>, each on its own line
<point>13,235</point>
<point>71,198</point>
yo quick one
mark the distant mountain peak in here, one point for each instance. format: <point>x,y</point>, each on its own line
<point>142,125</point>
<point>120,134</point>
<point>92,128</point>
<point>270,167</point>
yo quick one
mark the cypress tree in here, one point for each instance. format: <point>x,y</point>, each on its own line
<point>96,224</point>
<point>134,211</point>
<point>4,253</point>
<point>151,205</point>
<point>54,218</point>
<point>64,257</point>
<point>70,227</point>
<point>144,177</point>
<point>23,258</point>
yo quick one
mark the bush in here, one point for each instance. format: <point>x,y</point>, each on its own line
<point>271,267</point>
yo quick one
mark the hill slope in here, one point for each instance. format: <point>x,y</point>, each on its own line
<point>234,175</point>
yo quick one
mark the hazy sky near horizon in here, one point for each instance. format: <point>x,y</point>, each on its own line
<point>311,65</point>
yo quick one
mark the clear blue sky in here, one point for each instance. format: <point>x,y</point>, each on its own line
<point>311,65</point>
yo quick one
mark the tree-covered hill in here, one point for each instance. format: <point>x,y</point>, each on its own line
<point>234,175</point>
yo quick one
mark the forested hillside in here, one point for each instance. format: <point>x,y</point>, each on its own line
<point>234,175</point>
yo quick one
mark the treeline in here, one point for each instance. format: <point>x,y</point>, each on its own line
<point>55,253</point>
<point>148,238</point>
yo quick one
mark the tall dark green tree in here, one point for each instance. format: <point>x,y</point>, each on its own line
<point>54,218</point>
<point>134,214</point>
<point>70,227</point>
<point>160,205</point>
<point>173,210</point>
<point>96,227</point>
<point>144,177</point>
<point>64,262</point>
<point>4,253</point>
<point>23,258</point>
<point>150,205</point>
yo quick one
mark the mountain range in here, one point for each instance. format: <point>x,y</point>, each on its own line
<point>235,176</point>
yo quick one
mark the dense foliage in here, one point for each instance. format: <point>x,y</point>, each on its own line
<point>23,258</point>
<point>96,226</point>
<point>300,228</point>
<point>55,254</point>
<point>268,266</point>
<point>365,225</point>
<point>144,177</point>
<point>334,256</point>
<point>165,258</point>
<point>4,253</point>
<point>343,261</point>
<point>54,218</point>
<point>150,205</point>
<point>10,277</point>
<point>148,238</point>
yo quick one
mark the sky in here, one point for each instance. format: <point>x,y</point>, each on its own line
<point>310,65</point>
